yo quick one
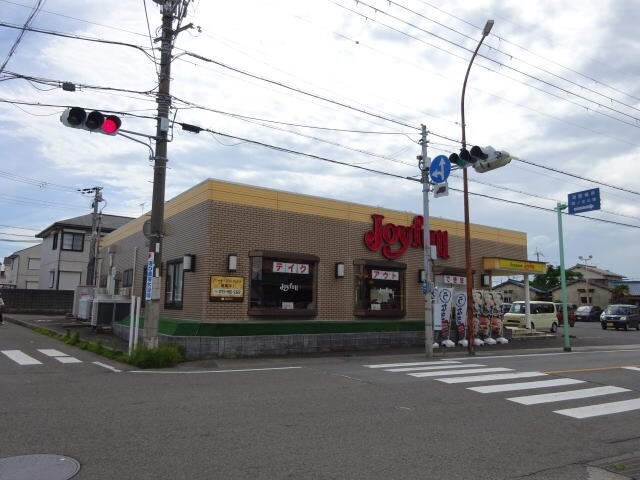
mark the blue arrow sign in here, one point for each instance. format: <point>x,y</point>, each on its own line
<point>584,201</point>
<point>440,169</point>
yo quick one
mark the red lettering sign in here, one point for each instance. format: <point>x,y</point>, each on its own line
<point>394,240</point>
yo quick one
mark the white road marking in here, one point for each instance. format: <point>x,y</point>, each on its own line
<point>59,356</point>
<point>509,387</point>
<point>432,367</point>
<point>50,352</point>
<point>460,372</point>
<point>192,372</point>
<point>567,395</point>
<point>412,364</point>
<point>109,367</point>
<point>497,376</point>
<point>601,409</point>
<point>637,369</point>
<point>21,358</point>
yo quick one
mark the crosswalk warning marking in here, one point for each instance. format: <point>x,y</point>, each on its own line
<point>460,372</point>
<point>509,387</point>
<point>568,395</point>
<point>21,358</point>
<point>492,377</point>
<point>58,355</point>
<point>601,409</point>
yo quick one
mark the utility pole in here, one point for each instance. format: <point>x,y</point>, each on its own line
<point>93,245</point>
<point>427,287</point>
<point>171,9</point>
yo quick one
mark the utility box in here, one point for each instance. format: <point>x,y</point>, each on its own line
<point>109,309</point>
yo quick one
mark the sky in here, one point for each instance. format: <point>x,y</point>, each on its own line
<point>346,84</point>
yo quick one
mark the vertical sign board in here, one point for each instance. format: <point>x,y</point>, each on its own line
<point>584,201</point>
<point>149,281</point>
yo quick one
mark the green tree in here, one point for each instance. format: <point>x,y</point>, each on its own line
<point>551,278</point>
<point>618,293</point>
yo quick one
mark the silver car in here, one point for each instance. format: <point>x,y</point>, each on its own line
<point>620,316</point>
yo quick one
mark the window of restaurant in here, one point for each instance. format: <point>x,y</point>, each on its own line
<point>379,288</point>
<point>283,284</point>
<point>173,288</point>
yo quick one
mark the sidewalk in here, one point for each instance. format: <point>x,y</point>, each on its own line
<point>67,325</point>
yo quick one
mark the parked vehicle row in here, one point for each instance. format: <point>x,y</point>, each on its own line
<point>547,316</point>
<point>620,316</point>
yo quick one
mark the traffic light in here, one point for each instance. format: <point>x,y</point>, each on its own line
<point>482,159</point>
<point>492,159</point>
<point>76,117</point>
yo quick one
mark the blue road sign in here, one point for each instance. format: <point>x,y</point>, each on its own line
<point>149,279</point>
<point>440,169</point>
<point>584,201</point>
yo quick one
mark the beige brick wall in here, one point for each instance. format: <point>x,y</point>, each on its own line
<point>212,230</point>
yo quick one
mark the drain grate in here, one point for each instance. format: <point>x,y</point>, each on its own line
<point>626,465</point>
<point>38,467</point>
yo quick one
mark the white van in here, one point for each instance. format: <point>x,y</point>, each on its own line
<point>543,316</point>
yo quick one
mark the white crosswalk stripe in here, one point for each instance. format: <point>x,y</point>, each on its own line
<point>493,377</point>
<point>460,372</point>
<point>510,387</point>
<point>567,395</point>
<point>454,372</point>
<point>601,409</point>
<point>22,358</point>
<point>59,356</point>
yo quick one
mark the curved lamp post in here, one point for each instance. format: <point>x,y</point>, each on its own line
<point>467,237</point>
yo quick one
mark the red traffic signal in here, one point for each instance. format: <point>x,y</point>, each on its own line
<point>76,117</point>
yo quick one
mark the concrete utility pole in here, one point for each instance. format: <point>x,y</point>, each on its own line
<point>171,9</point>
<point>424,163</point>
<point>93,245</point>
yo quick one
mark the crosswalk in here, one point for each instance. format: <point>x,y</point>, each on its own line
<point>492,381</point>
<point>31,358</point>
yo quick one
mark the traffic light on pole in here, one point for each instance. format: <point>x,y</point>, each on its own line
<point>76,117</point>
<point>482,159</point>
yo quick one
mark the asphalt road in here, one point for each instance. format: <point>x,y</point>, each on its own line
<point>330,417</point>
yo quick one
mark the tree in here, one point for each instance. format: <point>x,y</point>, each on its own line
<point>618,293</point>
<point>551,279</point>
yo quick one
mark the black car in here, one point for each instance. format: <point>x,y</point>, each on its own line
<point>620,316</point>
<point>588,313</point>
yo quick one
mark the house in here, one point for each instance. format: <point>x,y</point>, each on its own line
<point>65,249</point>
<point>634,290</point>
<point>594,275</point>
<point>513,290</point>
<point>23,268</point>
<point>599,294</point>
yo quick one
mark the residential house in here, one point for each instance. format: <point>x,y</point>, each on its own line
<point>23,268</point>
<point>65,250</point>
<point>513,290</point>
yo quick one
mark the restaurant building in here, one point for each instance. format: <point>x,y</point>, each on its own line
<point>238,253</point>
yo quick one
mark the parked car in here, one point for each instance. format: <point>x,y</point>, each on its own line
<point>571,314</point>
<point>504,308</point>
<point>542,315</point>
<point>588,313</point>
<point>620,316</point>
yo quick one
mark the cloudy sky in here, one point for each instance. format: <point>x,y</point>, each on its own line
<point>348,83</point>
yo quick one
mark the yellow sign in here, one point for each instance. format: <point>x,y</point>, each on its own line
<point>519,266</point>
<point>226,289</point>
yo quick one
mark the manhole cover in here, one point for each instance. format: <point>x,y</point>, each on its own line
<point>38,467</point>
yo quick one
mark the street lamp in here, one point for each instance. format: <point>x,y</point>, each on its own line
<point>467,236</point>
<point>586,267</point>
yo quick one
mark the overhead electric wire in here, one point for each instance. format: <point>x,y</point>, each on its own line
<point>389,174</point>
<point>298,90</point>
<point>81,37</point>
<point>513,57</point>
<point>509,67</point>
<point>30,18</point>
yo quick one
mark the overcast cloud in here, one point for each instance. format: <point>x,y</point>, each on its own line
<point>554,84</point>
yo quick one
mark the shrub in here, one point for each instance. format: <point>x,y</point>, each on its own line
<point>161,357</point>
